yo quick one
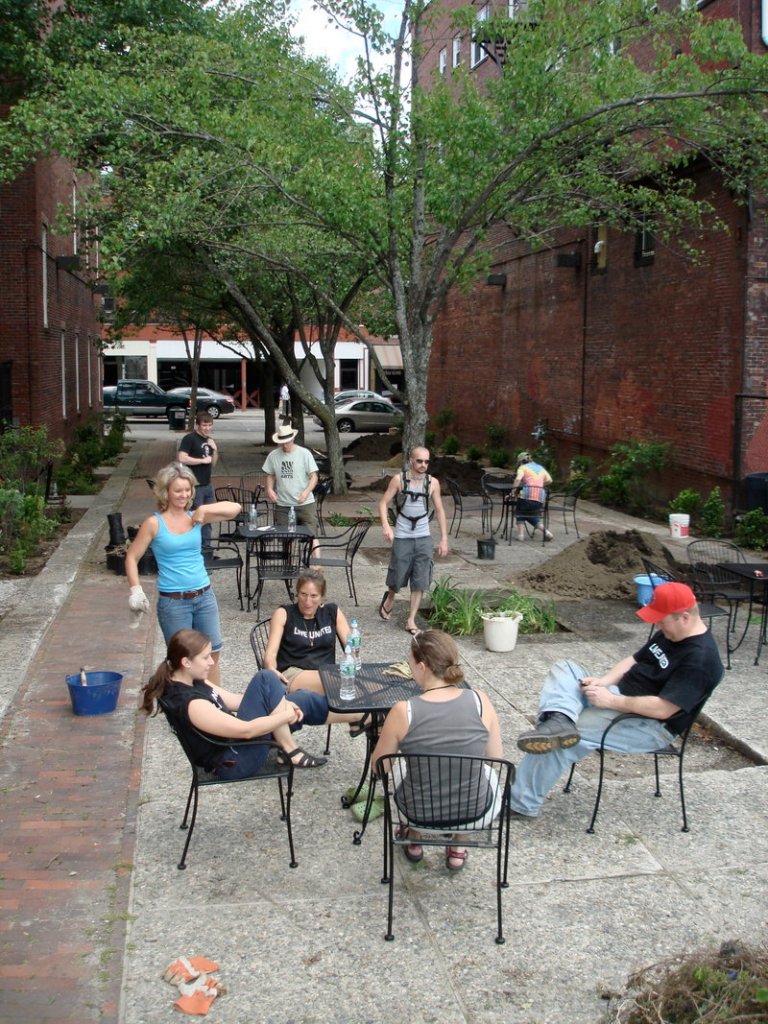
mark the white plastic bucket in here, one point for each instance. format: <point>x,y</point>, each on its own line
<point>679,524</point>
<point>500,631</point>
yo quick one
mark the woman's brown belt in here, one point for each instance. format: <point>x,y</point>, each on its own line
<point>183,595</point>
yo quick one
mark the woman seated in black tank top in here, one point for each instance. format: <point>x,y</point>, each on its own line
<point>302,635</point>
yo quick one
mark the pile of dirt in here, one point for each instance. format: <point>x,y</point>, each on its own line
<point>601,566</point>
<point>383,447</point>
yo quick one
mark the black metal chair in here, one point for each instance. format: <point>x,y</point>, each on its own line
<point>202,778</point>
<point>450,798</point>
<point>707,609</point>
<point>338,552</point>
<point>322,489</point>
<point>259,637</point>
<point>224,553</point>
<point>676,749</point>
<point>276,556</point>
<point>467,504</point>
<point>705,556</point>
<point>563,500</point>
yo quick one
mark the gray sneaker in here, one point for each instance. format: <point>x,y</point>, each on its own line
<point>554,732</point>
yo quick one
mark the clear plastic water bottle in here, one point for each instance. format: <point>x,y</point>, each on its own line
<point>291,520</point>
<point>347,671</point>
<point>253,516</point>
<point>355,641</point>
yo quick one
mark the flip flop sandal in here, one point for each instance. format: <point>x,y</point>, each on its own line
<point>305,761</point>
<point>384,613</point>
<point>360,728</point>
<point>414,630</point>
<point>459,855</point>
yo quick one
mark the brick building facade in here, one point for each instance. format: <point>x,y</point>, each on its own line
<point>50,372</point>
<point>608,344</point>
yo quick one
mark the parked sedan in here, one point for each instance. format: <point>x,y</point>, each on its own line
<point>351,396</point>
<point>365,415</point>
<point>213,402</point>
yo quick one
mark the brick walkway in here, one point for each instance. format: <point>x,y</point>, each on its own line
<point>70,789</point>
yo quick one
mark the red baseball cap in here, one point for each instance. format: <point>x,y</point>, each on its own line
<point>667,599</point>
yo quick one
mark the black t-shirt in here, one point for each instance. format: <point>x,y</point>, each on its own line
<point>177,698</point>
<point>684,672</point>
<point>197,447</point>
<point>308,643</point>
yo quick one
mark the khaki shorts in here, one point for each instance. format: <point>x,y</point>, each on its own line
<point>306,515</point>
<point>291,673</point>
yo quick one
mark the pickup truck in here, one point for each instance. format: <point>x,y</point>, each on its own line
<point>143,398</point>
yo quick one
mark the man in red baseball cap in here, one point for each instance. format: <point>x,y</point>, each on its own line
<point>665,682</point>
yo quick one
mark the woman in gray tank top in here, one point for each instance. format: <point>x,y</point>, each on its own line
<point>446,719</point>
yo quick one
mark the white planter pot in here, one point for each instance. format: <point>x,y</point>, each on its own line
<point>500,631</point>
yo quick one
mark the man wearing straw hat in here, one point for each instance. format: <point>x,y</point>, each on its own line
<point>665,681</point>
<point>291,473</point>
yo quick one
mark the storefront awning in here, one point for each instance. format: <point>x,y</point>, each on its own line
<point>390,356</point>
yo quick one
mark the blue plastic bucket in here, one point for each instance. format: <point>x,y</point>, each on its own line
<point>645,585</point>
<point>99,695</point>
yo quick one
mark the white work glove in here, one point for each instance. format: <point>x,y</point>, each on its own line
<point>138,604</point>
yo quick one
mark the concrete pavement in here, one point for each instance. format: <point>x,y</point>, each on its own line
<point>94,907</point>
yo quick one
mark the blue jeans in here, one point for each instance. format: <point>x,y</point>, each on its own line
<point>537,773</point>
<point>262,696</point>
<point>528,511</point>
<point>200,613</point>
<point>204,495</point>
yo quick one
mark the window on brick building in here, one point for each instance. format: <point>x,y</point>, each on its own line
<point>44,273</point>
<point>88,349</point>
<point>645,242</point>
<point>478,53</point>
<point>74,217</point>
<point>442,61</point>
<point>77,371</point>
<point>456,51</point>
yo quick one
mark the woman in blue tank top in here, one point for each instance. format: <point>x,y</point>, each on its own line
<point>185,598</point>
<point>446,719</point>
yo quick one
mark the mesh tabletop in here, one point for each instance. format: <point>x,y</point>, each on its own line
<point>374,691</point>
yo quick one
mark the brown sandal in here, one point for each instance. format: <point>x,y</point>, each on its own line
<point>453,854</point>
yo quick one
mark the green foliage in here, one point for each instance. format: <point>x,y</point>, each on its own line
<point>113,443</point>
<point>752,530</point>
<point>24,454</point>
<point>460,612</point>
<point>713,514</point>
<point>445,418</point>
<point>626,484</point>
<point>24,523</point>
<point>450,445</point>
<point>497,435</point>
<point>499,457</point>
<point>337,519</point>
<point>474,453</point>
<point>687,502</point>
<point>581,465</point>
<point>429,439</point>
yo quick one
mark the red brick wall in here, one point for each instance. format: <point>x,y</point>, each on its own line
<point>35,350</point>
<point>633,353</point>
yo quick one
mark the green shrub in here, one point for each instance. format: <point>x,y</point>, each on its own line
<point>581,465</point>
<point>687,502</point>
<point>450,445</point>
<point>444,418</point>
<point>499,457</point>
<point>429,438</point>
<point>496,434</point>
<point>625,484</point>
<point>337,519</point>
<point>474,453</point>
<point>24,454</point>
<point>752,530</point>
<point>113,443</point>
<point>713,514</point>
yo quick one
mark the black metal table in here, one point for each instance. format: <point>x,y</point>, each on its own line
<point>508,492</point>
<point>284,568</point>
<point>375,693</point>
<point>756,574</point>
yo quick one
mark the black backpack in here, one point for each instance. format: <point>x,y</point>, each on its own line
<point>402,495</point>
